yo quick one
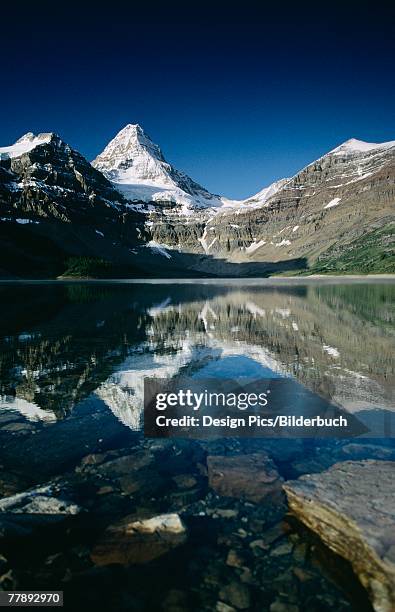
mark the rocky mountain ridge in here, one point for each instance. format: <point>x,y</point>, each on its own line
<point>55,205</point>
<point>334,205</point>
<point>131,208</point>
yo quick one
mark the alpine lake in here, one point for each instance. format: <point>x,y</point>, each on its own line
<point>121,521</point>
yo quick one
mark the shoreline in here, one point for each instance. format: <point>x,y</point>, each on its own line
<point>281,280</point>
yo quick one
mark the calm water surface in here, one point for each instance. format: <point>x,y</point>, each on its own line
<point>62,344</point>
<point>72,362</point>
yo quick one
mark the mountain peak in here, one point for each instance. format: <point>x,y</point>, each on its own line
<point>132,127</point>
<point>30,137</point>
<point>133,132</point>
<point>137,166</point>
<point>27,142</point>
<point>353,145</point>
<point>126,149</point>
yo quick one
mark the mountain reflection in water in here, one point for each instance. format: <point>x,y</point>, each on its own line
<point>72,362</point>
<point>61,344</point>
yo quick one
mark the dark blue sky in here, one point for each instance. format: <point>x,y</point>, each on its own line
<point>236,95</point>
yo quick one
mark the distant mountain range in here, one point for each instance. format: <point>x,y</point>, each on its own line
<point>131,213</point>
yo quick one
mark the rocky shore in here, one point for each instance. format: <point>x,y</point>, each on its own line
<point>184,525</point>
<point>351,507</point>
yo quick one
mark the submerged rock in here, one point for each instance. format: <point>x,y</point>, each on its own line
<point>351,507</point>
<point>237,595</point>
<point>223,607</point>
<point>367,451</point>
<point>280,606</point>
<point>130,473</point>
<point>11,483</point>
<point>38,501</point>
<point>252,477</point>
<point>234,559</point>
<point>185,481</point>
<point>134,541</point>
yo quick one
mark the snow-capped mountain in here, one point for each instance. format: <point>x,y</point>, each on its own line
<point>337,213</point>
<point>25,144</point>
<point>354,152</point>
<point>263,196</point>
<point>54,205</point>
<point>137,168</point>
<point>48,165</point>
<point>354,146</point>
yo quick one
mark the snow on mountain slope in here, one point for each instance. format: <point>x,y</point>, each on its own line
<point>335,199</point>
<point>25,144</point>
<point>359,146</point>
<point>137,168</point>
<point>361,159</point>
<point>351,162</point>
<point>261,198</point>
<point>350,149</point>
<point>45,183</point>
